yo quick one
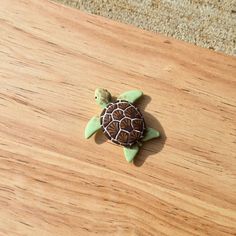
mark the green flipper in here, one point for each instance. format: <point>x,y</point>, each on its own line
<point>131,152</point>
<point>150,134</point>
<point>92,127</point>
<point>130,96</point>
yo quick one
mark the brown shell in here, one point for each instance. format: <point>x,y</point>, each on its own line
<point>122,123</point>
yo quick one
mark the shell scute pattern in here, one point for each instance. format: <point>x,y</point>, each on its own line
<point>111,107</point>
<point>134,135</point>
<point>113,128</point>
<point>137,124</point>
<point>107,119</point>
<point>118,114</point>
<point>126,124</point>
<point>123,137</point>
<point>132,113</point>
<point>122,123</point>
<point>123,105</point>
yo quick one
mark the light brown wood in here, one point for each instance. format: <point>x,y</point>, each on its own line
<point>54,182</point>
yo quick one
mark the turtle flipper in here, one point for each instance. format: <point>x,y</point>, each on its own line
<point>131,96</point>
<point>131,152</point>
<point>92,127</point>
<point>150,134</point>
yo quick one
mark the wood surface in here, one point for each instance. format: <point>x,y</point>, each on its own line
<point>54,182</point>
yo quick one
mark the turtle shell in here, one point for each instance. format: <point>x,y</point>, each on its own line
<point>122,123</point>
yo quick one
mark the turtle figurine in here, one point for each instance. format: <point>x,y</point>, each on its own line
<point>121,121</point>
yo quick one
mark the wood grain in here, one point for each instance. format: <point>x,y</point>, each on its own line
<point>54,182</point>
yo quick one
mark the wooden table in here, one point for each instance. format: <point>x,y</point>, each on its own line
<point>54,182</point>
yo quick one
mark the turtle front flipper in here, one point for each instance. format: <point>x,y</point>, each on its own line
<point>92,127</point>
<point>131,152</point>
<point>131,96</point>
<point>150,134</point>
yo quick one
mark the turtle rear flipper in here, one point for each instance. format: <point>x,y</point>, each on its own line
<point>131,152</point>
<point>92,127</point>
<point>150,134</point>
<point>131,96</point>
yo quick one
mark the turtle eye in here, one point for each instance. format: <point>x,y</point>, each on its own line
<point>96,97</point>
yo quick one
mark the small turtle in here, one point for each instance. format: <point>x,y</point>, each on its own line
<point>121,121</point>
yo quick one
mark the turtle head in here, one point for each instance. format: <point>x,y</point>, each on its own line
<point>102,97</point>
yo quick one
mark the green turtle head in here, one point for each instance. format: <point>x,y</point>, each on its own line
<point>102,97</point>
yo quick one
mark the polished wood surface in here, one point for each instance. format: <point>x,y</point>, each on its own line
<point>54,182</point>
